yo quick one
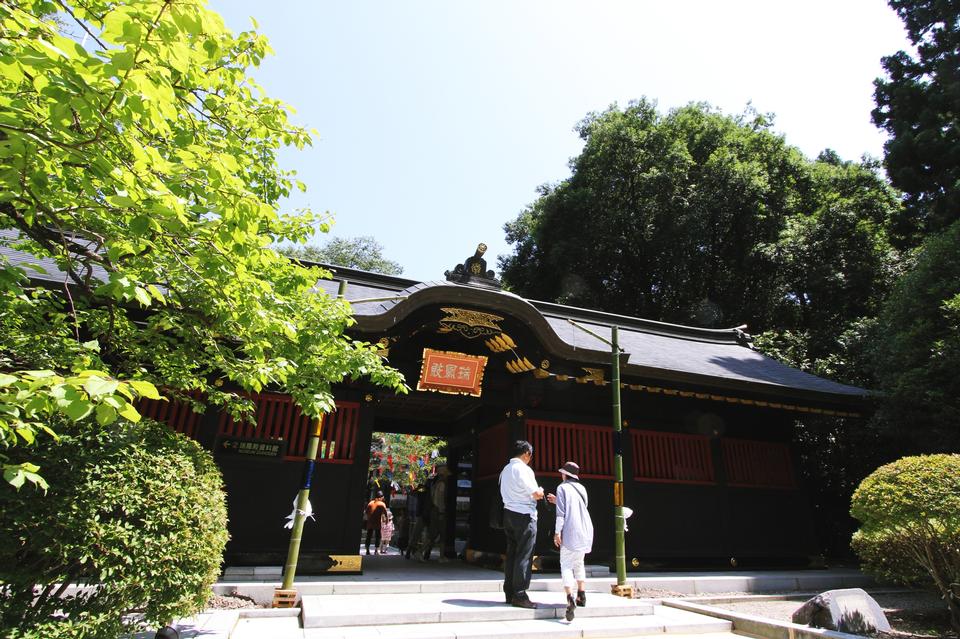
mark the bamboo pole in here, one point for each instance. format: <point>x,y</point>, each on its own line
<point>293,552</point>
<point>286,595</point>
<point>620,553</point>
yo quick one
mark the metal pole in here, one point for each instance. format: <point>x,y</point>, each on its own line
<point>293,552</point>
<point>620,553</point>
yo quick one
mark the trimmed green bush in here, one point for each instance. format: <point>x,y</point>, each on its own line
<point>135,512</point>
<point>910,532</point>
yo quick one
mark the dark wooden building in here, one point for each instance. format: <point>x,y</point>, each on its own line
<point>707,463</point>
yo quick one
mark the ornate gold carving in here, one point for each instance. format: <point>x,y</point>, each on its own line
<point>383,346</point>
<point>520,413</point>
<point>594,375</point>
<point>519,365</point>
<point>346,563</point>
<point>469,323</point>
<point>500,343</point>
<point>368,397</point>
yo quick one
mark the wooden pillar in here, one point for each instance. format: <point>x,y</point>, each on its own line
<point>357,494</point>
<point>453,465</point>
<point>207,426</point>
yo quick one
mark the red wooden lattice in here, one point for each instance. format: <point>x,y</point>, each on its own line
<point>493,453</point>
<point>672,458</point>
<point>557,442</point>
<point>278,417</point>
<point>757,464</point>
<point>178,415</point>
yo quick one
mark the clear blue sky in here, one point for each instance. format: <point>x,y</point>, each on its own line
<point>438,119</point>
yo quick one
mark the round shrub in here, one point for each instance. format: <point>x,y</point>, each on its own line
<point>135,514</point>
<point>910,516</point>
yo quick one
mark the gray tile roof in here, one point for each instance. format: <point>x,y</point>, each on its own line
<point>658,351</point>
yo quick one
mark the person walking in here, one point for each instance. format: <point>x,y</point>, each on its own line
<point>417,520</point>
<point>520,493</point>
<point>373,512</point>
<point>574,534</point>
<point>437,532</point>
<point>386,531</point>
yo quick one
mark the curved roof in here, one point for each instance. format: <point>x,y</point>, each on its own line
<point>680,355</point>
<point>684,356</point>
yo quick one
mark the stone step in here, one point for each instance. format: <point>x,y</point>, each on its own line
<point>447,607</point>
<point>660,621</point>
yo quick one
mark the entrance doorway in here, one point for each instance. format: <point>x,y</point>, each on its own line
<point>425,514</point>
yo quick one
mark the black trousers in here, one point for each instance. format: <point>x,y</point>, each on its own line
<point>370,532</point>
<point>521,532</point>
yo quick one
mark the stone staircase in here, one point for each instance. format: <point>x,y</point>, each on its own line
<point>478,611</point>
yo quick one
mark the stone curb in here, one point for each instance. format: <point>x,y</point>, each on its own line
<point>268,613</point>
<point>760,626</point>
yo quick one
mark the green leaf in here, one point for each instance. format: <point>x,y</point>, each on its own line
<point>97,386</point>
<point>127,411</point>
<point>14,476</point>
<point>140,225</point>
<point>145,389</point>
<point>92,345</point>
<point>142,296</point>
<point>7,380</point>
<point>106,414</point>
<point>78,409</point>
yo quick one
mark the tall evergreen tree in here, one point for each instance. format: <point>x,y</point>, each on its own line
<point>917,104</point>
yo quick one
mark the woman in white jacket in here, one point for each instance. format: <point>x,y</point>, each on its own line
<point>574,534</point>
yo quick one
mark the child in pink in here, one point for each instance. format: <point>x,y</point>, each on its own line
<point>386,531</point>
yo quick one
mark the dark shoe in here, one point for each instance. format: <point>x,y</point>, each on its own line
<point>571,608</point>
<point>522,602</point>
<point>581,598</point>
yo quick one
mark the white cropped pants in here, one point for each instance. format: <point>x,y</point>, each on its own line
<point>571,568</point>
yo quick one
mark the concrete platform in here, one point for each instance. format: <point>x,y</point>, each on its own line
<point>450,607</point>
<point>679,624</point>
<point>393,574</point>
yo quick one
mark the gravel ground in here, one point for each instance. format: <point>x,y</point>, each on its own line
<point>231,602</point>
<point>913,614</point>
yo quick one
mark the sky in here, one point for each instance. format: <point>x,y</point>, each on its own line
<point>437,120</point>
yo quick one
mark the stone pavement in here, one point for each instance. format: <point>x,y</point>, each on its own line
<point>400,598</point>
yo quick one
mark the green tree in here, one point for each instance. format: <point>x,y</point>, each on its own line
<point>142,160</point>
<point>661,217</point>
<point>910,533</point>
<point>917,106</point>
<point>362,252</point>
<point>136,509</point>
<point>698,217</point>
<point>917,350</point>
<point>836,266</point>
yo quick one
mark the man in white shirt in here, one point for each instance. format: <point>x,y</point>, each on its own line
<point>520,493</point>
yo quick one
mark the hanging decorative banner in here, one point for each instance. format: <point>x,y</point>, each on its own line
<point>449,372</point>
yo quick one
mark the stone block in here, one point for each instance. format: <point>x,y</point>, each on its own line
<point>848,610</point>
